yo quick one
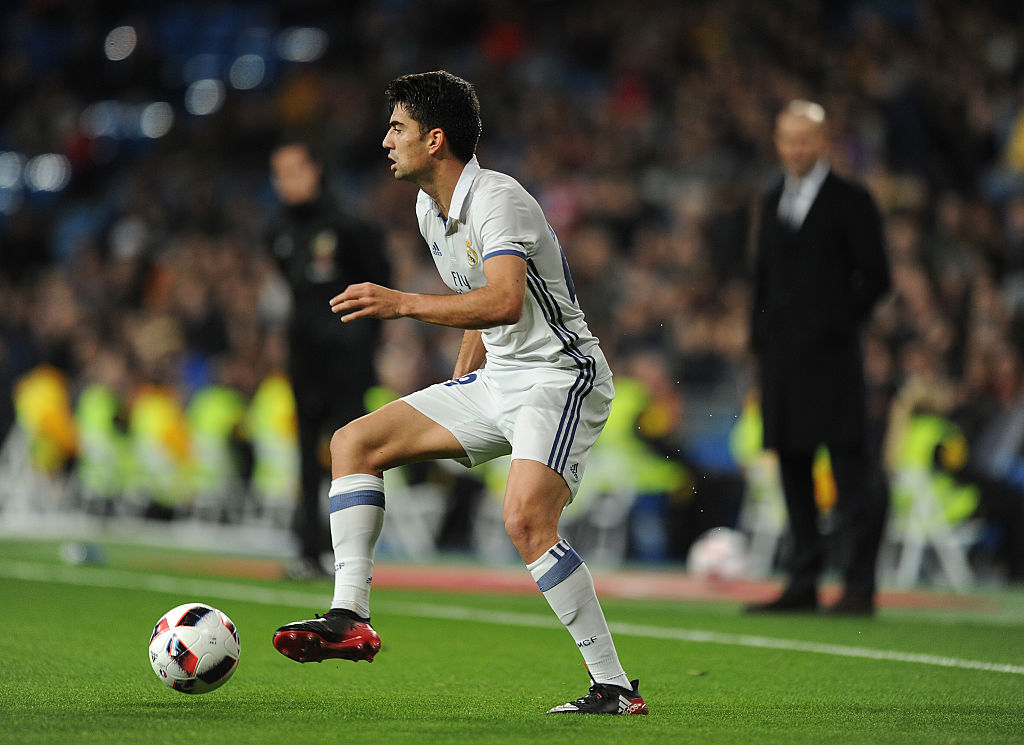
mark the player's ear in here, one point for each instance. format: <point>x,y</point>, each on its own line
<point>435,140</point>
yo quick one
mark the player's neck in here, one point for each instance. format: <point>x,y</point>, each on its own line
<point>441,185</point>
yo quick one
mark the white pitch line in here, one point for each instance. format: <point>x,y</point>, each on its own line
<point>705,637</point>
<point>201,588</point>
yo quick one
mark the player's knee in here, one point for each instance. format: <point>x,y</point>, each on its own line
<point>517,528</point>
<point>341,443</point>
<point>351,448</point>
<point>526,532</point>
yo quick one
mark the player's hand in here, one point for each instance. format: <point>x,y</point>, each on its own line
<point>367,300</point>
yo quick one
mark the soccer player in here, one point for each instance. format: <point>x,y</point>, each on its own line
<point>529,380</point>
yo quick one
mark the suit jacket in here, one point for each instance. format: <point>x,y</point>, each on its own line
<point>320,250</point>
<point>814,289</point>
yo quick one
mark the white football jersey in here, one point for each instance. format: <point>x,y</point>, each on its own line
<point>492,214</point>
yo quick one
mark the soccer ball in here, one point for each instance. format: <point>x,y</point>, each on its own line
<point>719,554</point>
<point>194,648</point>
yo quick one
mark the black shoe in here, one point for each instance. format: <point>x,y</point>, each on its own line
<point>852,605</point>
<point>606,699</point>
<point>788,602</point>
<point>340,635</point>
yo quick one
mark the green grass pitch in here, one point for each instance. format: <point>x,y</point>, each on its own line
<point>476,668</point>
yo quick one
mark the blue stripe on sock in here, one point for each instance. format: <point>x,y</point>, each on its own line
<point>352,498</point>
<point>568,563</point>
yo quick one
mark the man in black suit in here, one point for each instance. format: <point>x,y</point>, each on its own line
<point>821,267</point>
<point>319,248</point>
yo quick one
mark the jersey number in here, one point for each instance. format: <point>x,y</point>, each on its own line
<point>469,378</point>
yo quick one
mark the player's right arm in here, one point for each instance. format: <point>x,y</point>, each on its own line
<point>499,302</point>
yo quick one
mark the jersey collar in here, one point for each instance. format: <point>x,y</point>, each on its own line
<point>461,193</point>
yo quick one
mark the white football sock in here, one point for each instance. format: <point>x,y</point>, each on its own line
<point>569,589</point>
<point>357,515</point>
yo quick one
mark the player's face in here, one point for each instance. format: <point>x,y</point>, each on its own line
<point>800,143</point>
<point>296,177</point>
<point>407,148</point>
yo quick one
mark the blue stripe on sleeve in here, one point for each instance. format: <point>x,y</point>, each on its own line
<point>504,251</point>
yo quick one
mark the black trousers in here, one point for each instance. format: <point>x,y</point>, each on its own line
<point>322,406</point>
<point>862,503</point>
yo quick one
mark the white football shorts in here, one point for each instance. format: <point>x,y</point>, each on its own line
<point>548,415</point>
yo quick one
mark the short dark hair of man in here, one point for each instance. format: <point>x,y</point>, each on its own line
<point>314,149</point>
<point>440,100</point>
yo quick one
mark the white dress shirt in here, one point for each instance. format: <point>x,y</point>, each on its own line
<point>798,194</point>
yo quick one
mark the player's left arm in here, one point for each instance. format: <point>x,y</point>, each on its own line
<point>472,354</point>
<point>497,303</point>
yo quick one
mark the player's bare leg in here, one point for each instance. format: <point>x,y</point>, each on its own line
<point>534,499</point>
<point>360,453</point>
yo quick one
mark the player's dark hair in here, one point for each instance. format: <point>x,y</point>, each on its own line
<point>440,100</point>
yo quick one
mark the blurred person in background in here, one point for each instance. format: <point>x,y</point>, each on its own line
<point>320,248</point>
<point>992,419</point>
<point>820,269</point>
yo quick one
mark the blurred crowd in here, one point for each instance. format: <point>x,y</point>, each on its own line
<point>135,199</point>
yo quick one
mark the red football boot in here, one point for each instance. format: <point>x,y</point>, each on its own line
<point>340,634</point>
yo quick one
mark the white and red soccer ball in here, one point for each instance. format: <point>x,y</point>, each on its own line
<point>718,555</point>
<point>194,648</point>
